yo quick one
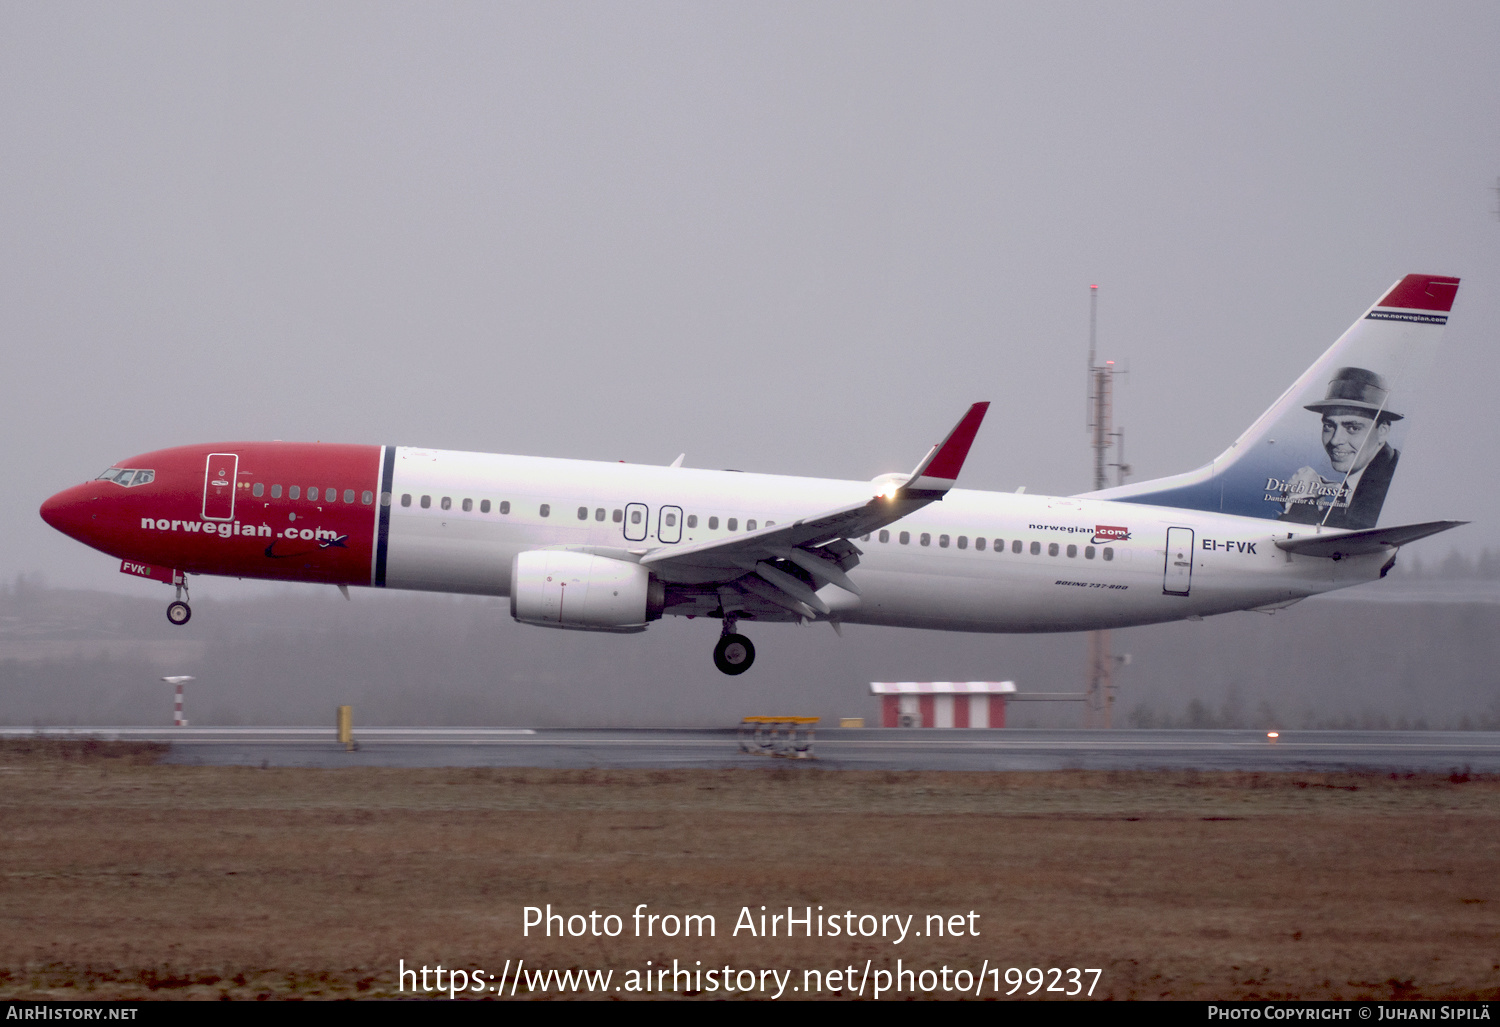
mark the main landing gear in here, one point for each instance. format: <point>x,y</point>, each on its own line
<point>179,612</point>
<point>735,653</point>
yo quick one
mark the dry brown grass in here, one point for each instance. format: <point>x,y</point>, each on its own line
<point>123,878</point>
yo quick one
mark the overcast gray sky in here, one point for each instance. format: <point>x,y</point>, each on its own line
<point>791,237</point>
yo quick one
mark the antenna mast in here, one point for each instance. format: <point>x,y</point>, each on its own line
<point>1099,709</point>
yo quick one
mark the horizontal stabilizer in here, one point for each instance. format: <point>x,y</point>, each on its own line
<point>1358,543</point>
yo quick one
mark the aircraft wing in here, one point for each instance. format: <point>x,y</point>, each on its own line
<point>1369,540</point>
<point>777,563</point>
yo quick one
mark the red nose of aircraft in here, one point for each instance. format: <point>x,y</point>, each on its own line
<point>74,511</point>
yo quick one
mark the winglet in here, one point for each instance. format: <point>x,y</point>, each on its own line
<point>938,471</point>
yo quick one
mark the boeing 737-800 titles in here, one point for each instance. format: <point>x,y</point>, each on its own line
<point>1288,511</point>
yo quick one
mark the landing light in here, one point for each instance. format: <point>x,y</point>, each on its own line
<point>1273,735</point>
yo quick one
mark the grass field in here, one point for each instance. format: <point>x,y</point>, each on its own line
<point>123,878</point>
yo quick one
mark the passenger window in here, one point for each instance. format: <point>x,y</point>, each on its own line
<point>978,544</point>
<point>635,517</point>
<point>1109,554</point>
<point>1052,549</point>
<point>583,513</point>
<point>348,495</point>
<point>426,502</point>
<point>505,506</point>
<point>692,521</point>
<point>864,538</point>
<point>295,492</point>
<point>772,523</point>
<point>275,491</point>
<point>312,494</point>
<point>713,524</point>
<point>1036,548</point>
<point>405,499</point>
<point>942,541</point>
<point>671,520</point>
<point>1015,547</point>
<point>257,490</point>
<point>1088,552</point>
<point>468,505</point>
<point>904,538</point>
<point>926,539</point>
<point>331,495</point>
<point>366,497</point>
<point>546,509</point>
<point>1072,552</point>
<point>447,503</point>
<point>617,516</point>
<point>734,524</point>
<point>484,506</point>
<point>963,542</point>
<point>385,499</point>
<point>599,514</point>
<point>884,536</point>
<point>750,525</point>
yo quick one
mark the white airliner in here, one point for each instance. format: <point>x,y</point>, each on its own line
<point>1289,510</point>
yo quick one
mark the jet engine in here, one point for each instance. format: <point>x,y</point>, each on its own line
<point>559,588</point>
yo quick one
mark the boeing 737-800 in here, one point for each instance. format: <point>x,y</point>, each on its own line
<point>1289,510</point>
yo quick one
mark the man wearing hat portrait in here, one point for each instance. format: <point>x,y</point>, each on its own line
<point>1356,423</point>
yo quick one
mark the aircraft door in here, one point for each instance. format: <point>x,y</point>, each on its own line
<point>669,524</point>
<point>218,486</point>
<point>637,519</point>
<point>1177,579</point>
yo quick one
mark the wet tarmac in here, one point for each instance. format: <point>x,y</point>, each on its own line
<point>829,749</point>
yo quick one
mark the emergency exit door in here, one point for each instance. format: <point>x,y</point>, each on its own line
<point>1178,577</point>
<point>637,521</point>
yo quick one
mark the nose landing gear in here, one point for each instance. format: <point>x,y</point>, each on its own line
<point>735,653</point>
<point>178,611</point>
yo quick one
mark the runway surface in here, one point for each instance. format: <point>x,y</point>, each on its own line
<point>833,749</point>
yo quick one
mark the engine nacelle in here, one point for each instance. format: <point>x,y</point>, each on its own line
<point>557,588</point>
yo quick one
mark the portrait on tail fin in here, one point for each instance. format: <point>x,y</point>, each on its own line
<point>1356,426</point>
<point>1362,389</point>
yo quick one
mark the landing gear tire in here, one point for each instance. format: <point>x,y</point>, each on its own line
<point>734,654</point>
<point>179,613</point>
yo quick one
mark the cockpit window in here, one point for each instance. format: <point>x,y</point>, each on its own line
<point>127,476</point>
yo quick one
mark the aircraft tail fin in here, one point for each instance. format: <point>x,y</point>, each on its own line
<point>1325,452</point>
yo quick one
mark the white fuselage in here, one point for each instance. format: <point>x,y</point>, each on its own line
<point>1083,563</point>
